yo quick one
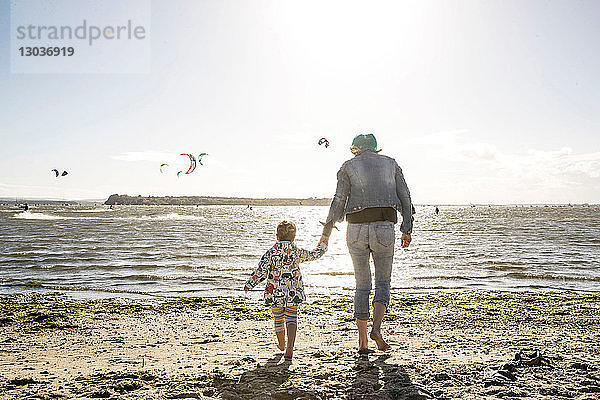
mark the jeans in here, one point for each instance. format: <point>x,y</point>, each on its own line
<point>365,240</point>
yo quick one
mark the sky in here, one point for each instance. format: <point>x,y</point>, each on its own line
<point>478,102</point>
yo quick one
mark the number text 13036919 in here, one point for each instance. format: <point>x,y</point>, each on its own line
<point>46,51</point>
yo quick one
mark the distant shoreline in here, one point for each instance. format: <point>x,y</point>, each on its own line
<point>117,199</point>
<point>222,200</point>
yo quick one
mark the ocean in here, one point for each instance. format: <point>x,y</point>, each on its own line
<point>171,251</point>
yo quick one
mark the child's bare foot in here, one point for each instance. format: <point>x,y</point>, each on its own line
<point>365,350</point>
<point>289,353</point>
<point>381,344</point>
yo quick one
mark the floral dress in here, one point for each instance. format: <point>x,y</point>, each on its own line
<point>280,265</point>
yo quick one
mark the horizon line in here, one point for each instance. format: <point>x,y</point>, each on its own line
<point>15,199</point>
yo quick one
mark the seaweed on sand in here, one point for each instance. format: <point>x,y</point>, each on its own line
<point>105,384</point>
<point>57,311</point>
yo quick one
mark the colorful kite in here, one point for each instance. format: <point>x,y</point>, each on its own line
<point>192,163</point>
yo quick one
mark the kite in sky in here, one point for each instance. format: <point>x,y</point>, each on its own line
<point>192,163</point>
<point>57,173</point>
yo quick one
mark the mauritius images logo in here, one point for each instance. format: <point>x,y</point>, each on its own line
<point>80,36</point>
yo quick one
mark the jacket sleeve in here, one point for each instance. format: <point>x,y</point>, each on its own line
<point>261,272</point>
<point>404,196</point>
<point>338,204</point>
<point>306,255</point>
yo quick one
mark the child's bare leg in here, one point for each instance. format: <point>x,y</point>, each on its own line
<point>278,318</point>
<point>291,324</point>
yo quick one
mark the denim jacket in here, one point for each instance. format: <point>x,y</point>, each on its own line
<point>371,180</point>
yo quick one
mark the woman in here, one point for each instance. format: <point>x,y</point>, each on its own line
<point>370,191</point>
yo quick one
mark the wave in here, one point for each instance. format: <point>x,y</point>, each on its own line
<point>334,273</point>
<point>165,217</point>
<point>170,216</point>
<point>73,288</point>
<point>229,255</point>
<point>161,217</point>
<point>149,277</point>
<point>525,275</point>
<point>506,267</point>
<point>180,279</point>
<point>139,266</point>
<point>446,277</point>
<point>88,267</point>
<point>517,275</point>
<point>32,215</point>
<point>95,210</point>
<point>186,267</point>
<point>53,265</point>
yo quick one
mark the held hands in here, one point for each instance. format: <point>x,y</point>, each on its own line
<point>405,240</point>
<point>324,239</point>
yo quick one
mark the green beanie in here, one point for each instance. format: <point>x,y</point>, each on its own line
<point>365,142</point>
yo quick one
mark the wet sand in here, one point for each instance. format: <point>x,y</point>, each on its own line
<point>52,347</point>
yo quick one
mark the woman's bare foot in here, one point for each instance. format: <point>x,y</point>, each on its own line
<point>381,344</point>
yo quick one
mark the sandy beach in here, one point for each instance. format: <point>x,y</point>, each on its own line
<point>53,347</point>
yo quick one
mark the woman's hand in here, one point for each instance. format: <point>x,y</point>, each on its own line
<point>324,239</point>
<point>405,240</point>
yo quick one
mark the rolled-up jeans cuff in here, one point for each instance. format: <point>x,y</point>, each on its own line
<point>385,303</point>
<point>382,293</point>
<point>383,298</point>
<point>362,316</point>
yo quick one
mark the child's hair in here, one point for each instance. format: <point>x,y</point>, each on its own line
<point>286,231</point>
